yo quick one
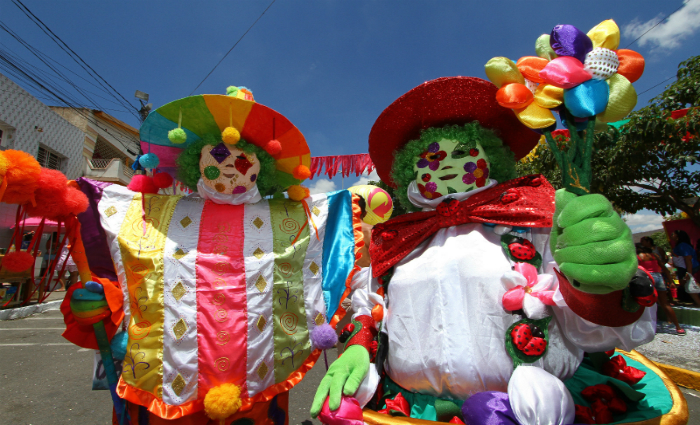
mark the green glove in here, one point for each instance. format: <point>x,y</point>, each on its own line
<point>345,374</point>
<point>591,244</point>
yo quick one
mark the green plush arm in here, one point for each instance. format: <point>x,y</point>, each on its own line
<point>591,244</point>
<point>345,374</point>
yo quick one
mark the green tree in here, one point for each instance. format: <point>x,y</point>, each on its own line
<point>652,160</point>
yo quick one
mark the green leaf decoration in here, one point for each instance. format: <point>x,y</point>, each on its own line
<point>518,356</point>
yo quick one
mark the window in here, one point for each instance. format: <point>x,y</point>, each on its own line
<point>7,134</point>
<point>49,159</point>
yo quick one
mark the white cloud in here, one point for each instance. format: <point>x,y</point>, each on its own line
<point>644,221</point>
<point>322,186</point>
<point>671,32</point>
<point>365,178</point>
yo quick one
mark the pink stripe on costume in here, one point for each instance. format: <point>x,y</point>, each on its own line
<point>221,298</point>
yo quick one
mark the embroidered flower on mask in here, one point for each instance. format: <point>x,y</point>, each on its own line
<point>432,157</point>
<point>429,190</point>
<point>527,290</point>
<point>476,172</point>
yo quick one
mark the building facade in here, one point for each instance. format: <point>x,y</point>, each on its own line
<point>110,145</point>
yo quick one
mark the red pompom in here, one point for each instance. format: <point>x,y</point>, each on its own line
<point>75,201</point>
<point>142,183</point>
<point>273,147</point>
<point>301,172</point>
<point>162,180</point>
<point>49,196</point>
<point>17,261</point>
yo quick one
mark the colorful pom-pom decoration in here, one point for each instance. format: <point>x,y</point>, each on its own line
<point>273,147</point>
<point>177,136</point>
<point>301,172</point>
<point>162,180</point>
<point>324,337</point>
<point>142,183</point>
<point>149,161</point>
<point>17,261</point>
<point>230,136</point>
<point>222,401</point>
<point>297,193</point>
<point>22,177</point>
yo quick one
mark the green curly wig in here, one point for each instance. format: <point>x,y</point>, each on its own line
<point>188,164</point>
<point>501,157</point>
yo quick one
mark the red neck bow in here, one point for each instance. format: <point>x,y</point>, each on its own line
<point>525,201</point>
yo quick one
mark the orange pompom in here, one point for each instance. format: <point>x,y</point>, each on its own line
<point>22,177</point>
<point>273,147</point>
<point>301,172</point>
<point>17,261</point>
<point>377,313</point>
<point>297,193</point>
<point>162,180</point>
<point>142,183</point>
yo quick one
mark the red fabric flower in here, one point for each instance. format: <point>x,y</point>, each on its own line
<point>604,403</point>
<point>617,368</point>
<point>397,407</point>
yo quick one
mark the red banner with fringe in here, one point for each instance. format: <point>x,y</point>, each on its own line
<point>345,164</point>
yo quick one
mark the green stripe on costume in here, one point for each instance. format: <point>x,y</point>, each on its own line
<point>290,333</point>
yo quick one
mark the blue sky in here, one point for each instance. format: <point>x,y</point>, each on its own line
<point>331,67</point>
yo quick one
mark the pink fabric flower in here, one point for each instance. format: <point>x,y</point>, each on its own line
<point>527,290</point>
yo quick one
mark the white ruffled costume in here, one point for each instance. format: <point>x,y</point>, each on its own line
<point>446,324</point>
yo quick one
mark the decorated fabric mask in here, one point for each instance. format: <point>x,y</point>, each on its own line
<point>227,169</point>
<point>449,166</point>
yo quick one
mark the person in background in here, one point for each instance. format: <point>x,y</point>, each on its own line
<point>70,267</point>
<point>684,250</point>
<point>49,255</point>
<point>654,265</point>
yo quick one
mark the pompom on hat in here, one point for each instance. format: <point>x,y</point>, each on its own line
<point>230,117</point>
<point>441,102</point>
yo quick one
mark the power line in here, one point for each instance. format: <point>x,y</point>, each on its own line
<point>79,60</point>
<point>231,49</point>
<point>657,24</point>
<point>673,76</point>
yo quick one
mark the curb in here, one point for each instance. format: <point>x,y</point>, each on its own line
<point>683,377</point>
<point>21,312</point>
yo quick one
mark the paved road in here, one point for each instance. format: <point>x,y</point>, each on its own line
<point>46,380</point>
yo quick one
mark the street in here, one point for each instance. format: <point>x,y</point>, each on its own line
<point>47,380</point>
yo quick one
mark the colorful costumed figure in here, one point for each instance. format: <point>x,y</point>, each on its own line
<point>484,303</point>
<point>228,297</point>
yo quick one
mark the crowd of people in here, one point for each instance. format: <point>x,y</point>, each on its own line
<point>675,273</point>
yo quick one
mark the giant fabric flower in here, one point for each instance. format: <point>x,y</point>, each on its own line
<point>595,77</point>
<point>527,290</point>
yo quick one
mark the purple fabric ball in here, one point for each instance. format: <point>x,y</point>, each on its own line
<point>324,336</point>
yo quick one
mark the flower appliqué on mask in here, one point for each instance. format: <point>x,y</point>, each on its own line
<point>476,172</point>
<point>527,290</point>
<point>432,157</point>
<point>428,191</point>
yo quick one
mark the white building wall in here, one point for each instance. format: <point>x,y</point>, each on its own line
<point>27,114</point>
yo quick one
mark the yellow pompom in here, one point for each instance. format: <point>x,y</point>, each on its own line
<point>222,401</point>
<point>230,136</point>
<point>297,193</point>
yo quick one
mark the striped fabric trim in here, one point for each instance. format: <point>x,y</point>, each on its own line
<point>313,263</point>
<point>259,262</point>
<point>180,354</point>
<point>112,207</point>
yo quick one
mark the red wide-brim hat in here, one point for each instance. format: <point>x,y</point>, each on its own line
<point>441,102</point>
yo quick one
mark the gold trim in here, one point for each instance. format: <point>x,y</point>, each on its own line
<point>678,415</point>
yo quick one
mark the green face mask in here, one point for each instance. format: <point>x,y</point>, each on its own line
<point>449,166</point>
